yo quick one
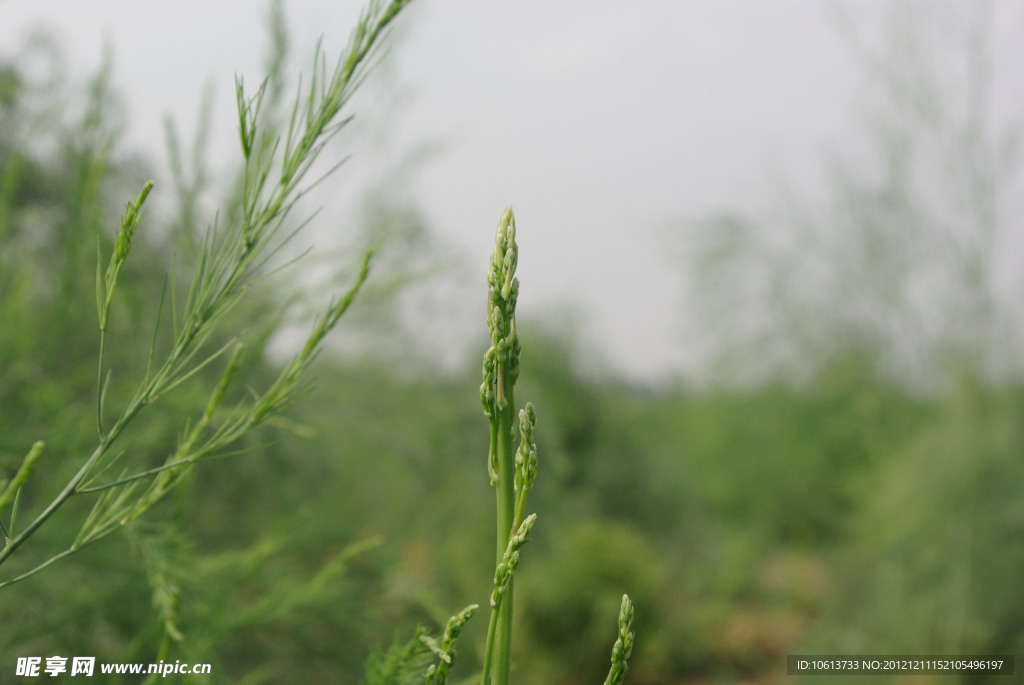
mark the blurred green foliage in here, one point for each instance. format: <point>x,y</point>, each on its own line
<point>843,514</point>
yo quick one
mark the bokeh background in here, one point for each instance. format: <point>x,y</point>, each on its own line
<point>771,260</point>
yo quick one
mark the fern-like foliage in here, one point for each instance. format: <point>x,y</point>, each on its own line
<point>402,663</point>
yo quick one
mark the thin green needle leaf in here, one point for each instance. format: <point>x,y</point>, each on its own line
<point>12,490</point>
<point>14,511</point>
<point>156,330</point>
<point>100,295</point>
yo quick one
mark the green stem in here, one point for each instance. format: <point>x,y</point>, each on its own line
<point>72,486</point>
<point>40,567</point>
<point>99,383</point>
<point>500,370</point>
<point>506,496</point>
<point>489,650</point>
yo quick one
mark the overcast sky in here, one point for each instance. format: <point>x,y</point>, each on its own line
<point>602,122</point>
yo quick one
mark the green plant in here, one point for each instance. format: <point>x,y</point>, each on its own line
<point>512,473</point>
<point>227,264</point>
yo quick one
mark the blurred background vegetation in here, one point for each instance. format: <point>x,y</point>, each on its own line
<point>847,478</point>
